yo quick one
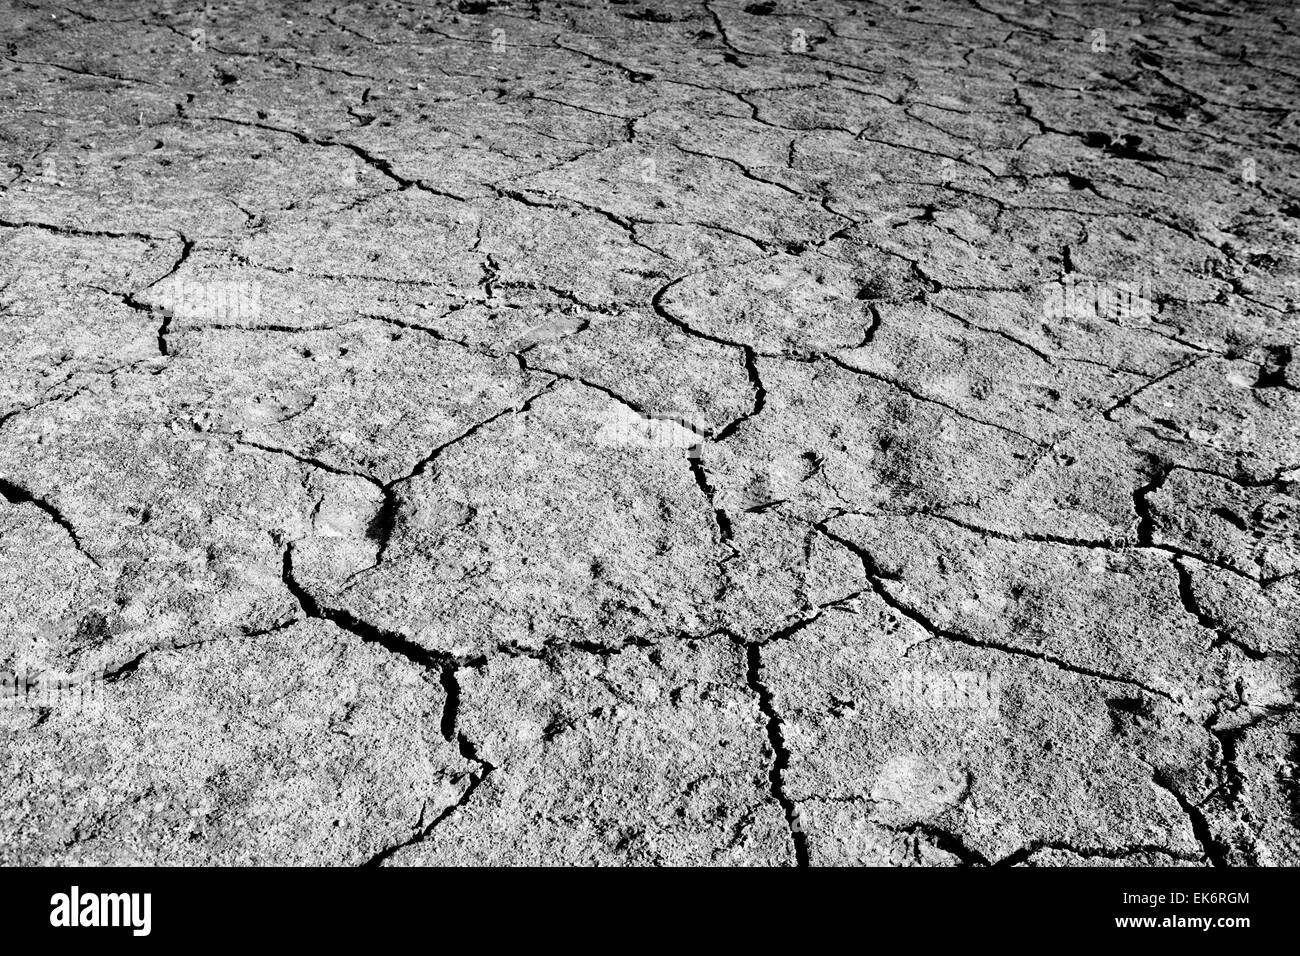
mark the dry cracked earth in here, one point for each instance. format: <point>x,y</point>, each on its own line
<point>649,433</point>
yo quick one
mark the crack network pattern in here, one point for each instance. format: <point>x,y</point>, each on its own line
<point>650,432</point>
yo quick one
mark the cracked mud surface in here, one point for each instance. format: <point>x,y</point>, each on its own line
<point>650,433</point>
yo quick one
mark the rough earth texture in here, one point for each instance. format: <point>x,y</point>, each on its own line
<point>650,432</point>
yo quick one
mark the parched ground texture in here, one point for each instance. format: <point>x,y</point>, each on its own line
<point>650,432</point>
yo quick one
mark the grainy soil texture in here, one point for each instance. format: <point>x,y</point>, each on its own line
<point>649,432</point>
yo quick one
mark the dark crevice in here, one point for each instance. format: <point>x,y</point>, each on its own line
<point>702,480</point>
<point>920,397</point>
<point>876,579</point>
<point>760,395</point>
<point>383,525</point>
<point>1273,373</point>
<point>167,314</point>
<point>467,750</point>
<point>84,233</point>
<point>946,841</point>
<point>369,633</point>
<point>1192,606</point>
<point>781,755</point>
<point>720,518</point>
<point>1233,780</point>
<point>444,665</point>
<point>127,668</point>
<point>643,412</point>
<point>1089,853</point>
<point>382,166</point>
<point>1146,524</point>
<point>17,495</point>
<point>1215,852</point>
<point>1126,400</point>
<point>301,459</point>
<point>450,709</point>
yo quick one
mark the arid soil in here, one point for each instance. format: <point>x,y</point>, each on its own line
<point>649,432</point>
